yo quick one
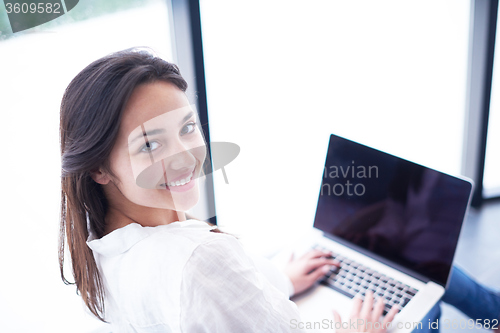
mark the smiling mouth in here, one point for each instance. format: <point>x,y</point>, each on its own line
<point>180,182</point>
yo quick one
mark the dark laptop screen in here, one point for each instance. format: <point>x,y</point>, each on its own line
<point>406,213</point>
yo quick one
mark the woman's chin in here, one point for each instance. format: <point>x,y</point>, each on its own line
<point>183,201</point>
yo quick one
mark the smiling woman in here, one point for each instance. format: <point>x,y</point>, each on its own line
<point>90,131</point>
<point>158,143</point>
<point>132,153</point>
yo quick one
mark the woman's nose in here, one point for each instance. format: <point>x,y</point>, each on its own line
<point>182,160</point>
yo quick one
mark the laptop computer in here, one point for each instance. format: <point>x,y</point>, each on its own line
<point>394,226</point>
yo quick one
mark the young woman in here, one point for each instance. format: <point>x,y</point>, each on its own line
<point>132,153</point>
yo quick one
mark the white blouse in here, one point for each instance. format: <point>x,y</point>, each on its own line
<point>181,277</point>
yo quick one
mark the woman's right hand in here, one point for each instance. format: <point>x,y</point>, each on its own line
<point>307,270</point>
<point>365,315</point>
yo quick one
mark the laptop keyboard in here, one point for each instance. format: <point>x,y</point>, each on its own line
<point>353,279</point>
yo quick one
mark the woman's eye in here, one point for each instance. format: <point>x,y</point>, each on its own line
<point>149,147</point>
<point>189,128</point>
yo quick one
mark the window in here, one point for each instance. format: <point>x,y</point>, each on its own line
<point>36,67</point>
<point>282,75</point>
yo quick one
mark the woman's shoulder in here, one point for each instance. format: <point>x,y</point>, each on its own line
<point>195,239</point>
<point>174,245</point>
<point>191,233</point>
<point>137,253</point>
<point>217,255</point>
<point>134,237</point>
<point>164,246</point>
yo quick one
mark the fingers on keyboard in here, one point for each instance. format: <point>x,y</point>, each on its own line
<point>354,279</point>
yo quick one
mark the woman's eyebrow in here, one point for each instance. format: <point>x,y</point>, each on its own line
<point>189,115</point>
<point>160,130</point>
<point>146,134</point>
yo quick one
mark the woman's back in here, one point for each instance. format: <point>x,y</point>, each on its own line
<point>182,277</point>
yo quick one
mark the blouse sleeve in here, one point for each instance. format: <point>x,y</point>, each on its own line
<point>222,291</point>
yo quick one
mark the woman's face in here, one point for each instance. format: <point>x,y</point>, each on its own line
<point>160,150</point>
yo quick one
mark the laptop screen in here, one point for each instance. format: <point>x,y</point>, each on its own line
<point>404,212</point>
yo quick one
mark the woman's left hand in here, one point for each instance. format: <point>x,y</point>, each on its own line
<point>308,269</point>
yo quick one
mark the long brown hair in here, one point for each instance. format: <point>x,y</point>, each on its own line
<point>91,111</point>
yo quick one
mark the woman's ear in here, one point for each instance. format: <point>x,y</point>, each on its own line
<point>100,176</point>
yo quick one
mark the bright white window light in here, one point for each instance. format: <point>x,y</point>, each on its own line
<point>282,75</point>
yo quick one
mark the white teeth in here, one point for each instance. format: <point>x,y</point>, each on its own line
<point>181,182</point>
